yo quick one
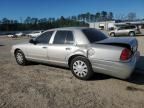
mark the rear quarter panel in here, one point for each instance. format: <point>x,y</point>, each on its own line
<point>105,52</point>
<point>78,50</point>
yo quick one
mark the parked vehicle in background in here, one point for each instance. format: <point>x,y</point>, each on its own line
<point>34,34</point>
<point>11,35</point>
<point>128,30</point>
<point>83,50</point>
<point>20,34</point>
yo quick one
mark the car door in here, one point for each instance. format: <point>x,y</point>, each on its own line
<point>39,50</point>
<point>61,47</point>
<point>122,30</point>
<point>119,31</point>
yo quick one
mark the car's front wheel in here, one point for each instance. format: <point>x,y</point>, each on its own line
<point>81,68</point>
<point>20,58</point>
<point>112,34</point>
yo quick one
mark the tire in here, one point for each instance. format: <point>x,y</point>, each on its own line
<point>81,68</point>
<point>20,58</point>
<point>112,34</point>
<point>131,34</point>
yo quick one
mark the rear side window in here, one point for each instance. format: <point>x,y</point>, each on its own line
<point>69,38</point>
<point>63,37</point>
<point>94,35</point>
<point>127,27</point>
<point>132,27</point>
<point>44,38</point>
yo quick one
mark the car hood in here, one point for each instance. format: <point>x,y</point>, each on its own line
<point>21,44</point>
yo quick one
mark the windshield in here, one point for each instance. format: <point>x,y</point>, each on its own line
<point>94,35</point>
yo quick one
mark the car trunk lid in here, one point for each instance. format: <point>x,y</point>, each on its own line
<point>128,42</point>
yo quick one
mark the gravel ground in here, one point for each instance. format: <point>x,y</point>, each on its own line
<point>43,86</point>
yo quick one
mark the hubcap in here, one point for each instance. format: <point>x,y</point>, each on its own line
<point>112,34</point>
<point>131,34</point>
<point>80,68</point>
<point>19,57</point>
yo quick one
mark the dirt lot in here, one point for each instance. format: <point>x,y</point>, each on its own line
<point>43,86</point>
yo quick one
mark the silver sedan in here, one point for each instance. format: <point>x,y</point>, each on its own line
<point>83,50</point>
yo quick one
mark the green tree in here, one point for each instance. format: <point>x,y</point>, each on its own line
<point>87,15</point>
<point>5,21</point>
<point>110,16</point>
<point>98,16</point>
<point>27,20</point>
<point>131,16</point>
<point>103,15</point>
<point>74,18</point>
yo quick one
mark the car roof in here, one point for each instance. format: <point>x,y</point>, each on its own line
<point>128,26</point>
<point>68,28</point>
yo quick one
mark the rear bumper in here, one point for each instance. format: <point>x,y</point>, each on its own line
<point>121,70</point>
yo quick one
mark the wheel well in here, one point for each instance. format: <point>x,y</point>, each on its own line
<point>72,57</point>
<point>131,31</point>
<point>112,33</point>
<point>16,50</point>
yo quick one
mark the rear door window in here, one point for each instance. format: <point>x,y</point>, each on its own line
<point>132,27</point>
<point>63,37</point>
<point>69,38</point>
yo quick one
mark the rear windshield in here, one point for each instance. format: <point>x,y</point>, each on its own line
<point>94,35</point>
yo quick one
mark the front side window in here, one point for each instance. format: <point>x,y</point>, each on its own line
<point>121,28</point>
<point>63,37</point>
<point>44,38</point>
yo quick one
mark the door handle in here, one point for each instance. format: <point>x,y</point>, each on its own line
<point>68,48</point>
<point>44,47</point>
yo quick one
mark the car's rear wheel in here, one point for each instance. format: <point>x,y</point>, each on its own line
<point>20,58</point>
<point>112,34</point>
<point>81,68</point>
<point>132,34</point>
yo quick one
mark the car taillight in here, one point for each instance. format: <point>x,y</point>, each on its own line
<point>125,55</point>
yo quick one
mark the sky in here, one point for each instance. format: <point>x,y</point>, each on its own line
<point>16,9</point>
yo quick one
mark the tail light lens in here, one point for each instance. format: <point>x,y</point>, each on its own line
<point>125,55</point>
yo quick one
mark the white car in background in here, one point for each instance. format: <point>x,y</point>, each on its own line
<point>10,35</point>
<point>19,34</point>
<point>34,34</point>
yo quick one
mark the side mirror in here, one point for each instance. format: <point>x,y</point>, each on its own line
<point>32,41</point>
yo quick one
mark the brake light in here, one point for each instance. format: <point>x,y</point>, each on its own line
<point>125,55</point>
